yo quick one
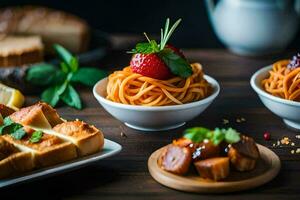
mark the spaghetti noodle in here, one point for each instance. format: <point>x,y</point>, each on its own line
<point>127,87</point>
<point>283,82</point>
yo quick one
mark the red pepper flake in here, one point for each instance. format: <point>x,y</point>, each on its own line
<point>267,136</point>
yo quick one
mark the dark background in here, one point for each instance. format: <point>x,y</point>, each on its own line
<point>137,16</point>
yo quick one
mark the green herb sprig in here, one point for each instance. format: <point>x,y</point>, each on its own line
<point>198,134</point>
<point>59,82</point>
<point>36,136</point>
<point>178,65</point>
<point>17,131</point>
<point>14,129</point>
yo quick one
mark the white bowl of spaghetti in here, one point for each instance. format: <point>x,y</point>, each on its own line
<point>149,104</point>
<point>278,88</point>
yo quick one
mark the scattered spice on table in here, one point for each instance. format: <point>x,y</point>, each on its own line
<point>240,120</point>
<point>285,140</point>
<point>225,121</point>
<point>123,135</point>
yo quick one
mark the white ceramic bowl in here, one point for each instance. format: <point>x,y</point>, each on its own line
<point>288,110</point>
<point>154,118</point>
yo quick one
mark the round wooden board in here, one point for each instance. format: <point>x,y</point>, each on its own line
<point>266,169</point>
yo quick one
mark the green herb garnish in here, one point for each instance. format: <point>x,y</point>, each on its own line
<point>36,136</point>
<point>198,134</point>
<point>14,129</point>
<point>59,81</point>
<point>178,65</point>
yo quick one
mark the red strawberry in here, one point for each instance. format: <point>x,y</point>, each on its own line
<point>150,65</point>
<point>176,50</point>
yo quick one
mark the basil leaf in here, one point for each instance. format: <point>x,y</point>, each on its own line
<point>36,136</point>
<point>71,97</point>
<point>88,76</point>
<point>18,133</point>
<point>51,96</point>
<point>178,65</point>
<point>232,136</point>
<point>44,74</point>
<point>66,57</point>
<point>196,134</point>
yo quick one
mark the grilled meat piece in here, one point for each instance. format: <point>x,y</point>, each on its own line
<point>175,159</point>
<point>204,150</point>
<point>213,168</point>
<point>243,154</point>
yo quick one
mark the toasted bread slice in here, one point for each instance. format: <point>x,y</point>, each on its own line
<point>39,115</point>
<point>88,139</point>
<point>12,161</point>
<point>50,150</point>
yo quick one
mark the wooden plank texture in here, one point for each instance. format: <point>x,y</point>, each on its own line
<point>126,176</point>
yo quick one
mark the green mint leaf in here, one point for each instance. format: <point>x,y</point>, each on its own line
<point>14,129</point>
<point>146,47</point>
<point>218,136</point>
<point>18,132</point>
<point>178,65</point>
<point>66,57</point>
<point>36,136</point>
<point>196,134</point>
<point>44,74</point>
<point>51,96</point>
<point>232,136</point>
<point>6,123</point>
<point>88,76</point>
<point>64,67</point>
<point>41,74</point>
<point>74,64</point>
<point>71,97</point>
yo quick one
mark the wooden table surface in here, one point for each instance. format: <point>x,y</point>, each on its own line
<point>125,176</point>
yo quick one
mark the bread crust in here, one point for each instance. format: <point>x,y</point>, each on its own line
<point>88,139</point>
<point>53,26</point>
<point>38,115</point>
<point>56,152</point>
<point>12,161</point>
<point>6,111</point>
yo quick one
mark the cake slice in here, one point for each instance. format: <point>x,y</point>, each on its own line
<point>20,50</point>
<point>13,161</point>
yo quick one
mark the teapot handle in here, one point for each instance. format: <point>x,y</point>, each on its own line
<point>210,6</point>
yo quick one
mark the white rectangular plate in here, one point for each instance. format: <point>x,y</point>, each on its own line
<point>110,148</point>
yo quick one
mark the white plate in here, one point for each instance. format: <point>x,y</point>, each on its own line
<point>110,148</point>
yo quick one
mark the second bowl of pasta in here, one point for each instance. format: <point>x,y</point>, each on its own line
<point>277,86</point>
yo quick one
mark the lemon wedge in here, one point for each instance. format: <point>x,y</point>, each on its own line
<point>11,97</point>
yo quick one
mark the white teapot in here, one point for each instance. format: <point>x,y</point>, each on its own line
<point>255,27</point>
